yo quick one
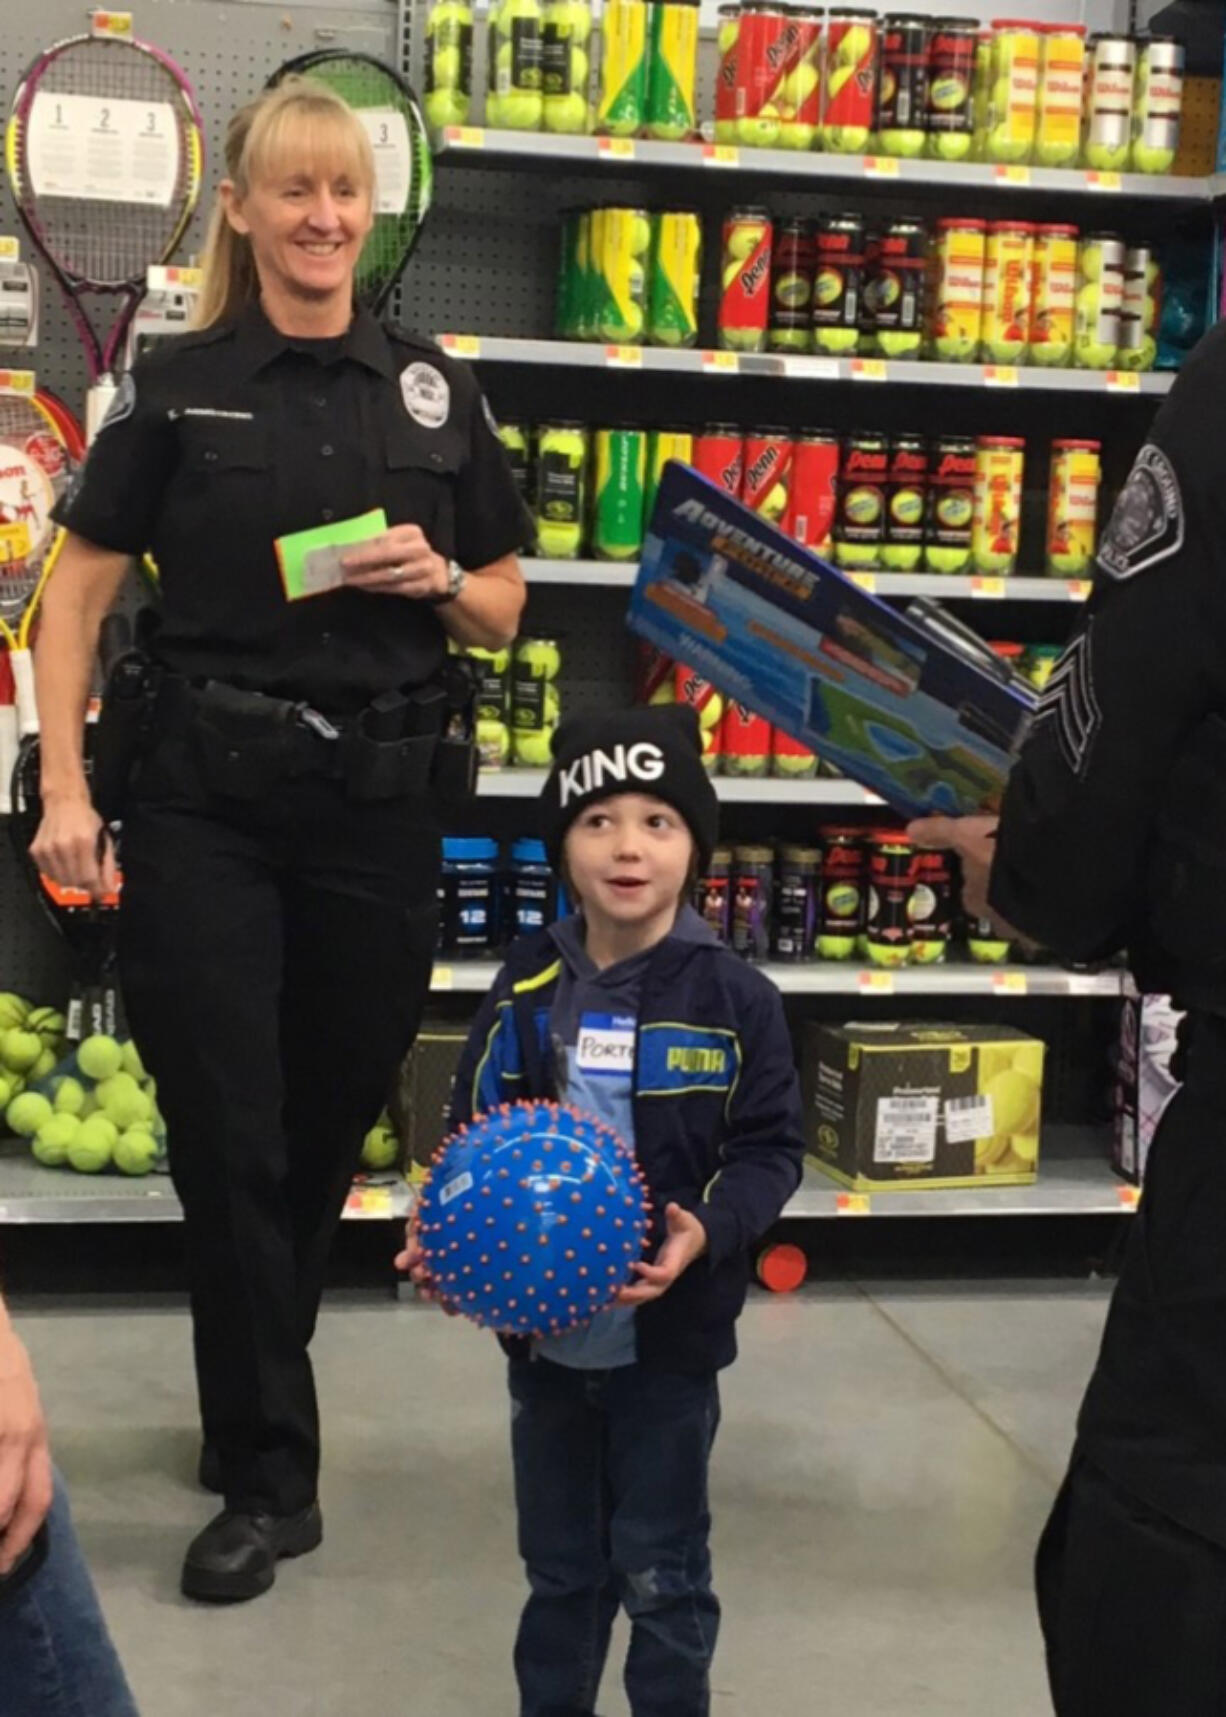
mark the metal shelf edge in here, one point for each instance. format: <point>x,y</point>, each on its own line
<point>1016,587</point>
<point>813,978</point>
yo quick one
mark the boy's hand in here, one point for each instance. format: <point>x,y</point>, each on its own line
<point>685,1241</point>
<point>411,1262</point>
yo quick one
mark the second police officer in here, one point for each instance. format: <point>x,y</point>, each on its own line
<point>281,839</point>
<point>1113,837</point>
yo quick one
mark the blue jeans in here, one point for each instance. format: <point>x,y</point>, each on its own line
<point>56,1657</point>
<point>611,1490</point>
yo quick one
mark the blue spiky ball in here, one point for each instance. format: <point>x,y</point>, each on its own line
<point>532,1217</point>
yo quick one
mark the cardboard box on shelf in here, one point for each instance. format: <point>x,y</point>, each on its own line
<point>422,1097</point>
<point>1144,1082</point>
<point>897,1106</point>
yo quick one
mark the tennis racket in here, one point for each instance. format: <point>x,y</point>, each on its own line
<point>404,166</point>
<point>68,423</point>
<point>105,152</point>
<point>34,471</point>
<point>89,927</point>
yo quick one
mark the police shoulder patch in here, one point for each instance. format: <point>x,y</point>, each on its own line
<point>1147,524</point>
<point>427,394</point>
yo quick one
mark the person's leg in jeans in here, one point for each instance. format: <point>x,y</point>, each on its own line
<point>557,1436</point>
<point>56,1657</point>
<point>661,1429</point>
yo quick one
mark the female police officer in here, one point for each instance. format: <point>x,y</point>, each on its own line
<point>280,841</point>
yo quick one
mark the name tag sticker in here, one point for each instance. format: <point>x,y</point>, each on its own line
<point>310,561</point>
<point>606,1044</point>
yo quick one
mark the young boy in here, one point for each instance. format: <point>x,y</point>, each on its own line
<point>633,1011</point>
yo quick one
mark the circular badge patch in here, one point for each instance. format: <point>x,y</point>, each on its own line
<point>427,395</point>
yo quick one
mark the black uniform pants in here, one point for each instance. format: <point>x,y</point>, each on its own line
<point>1133,1607</point>
<point>275,957</point>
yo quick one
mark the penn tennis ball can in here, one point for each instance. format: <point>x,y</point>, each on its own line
<point>728,34</point>
<point>622,108</point>
<point>891,890</point>
<point>619,493</point>
<point>813,491</point>
<point>843,899</point>
<point>951,504</point>
<point>767,38</point>
<point>849,79</point>
<point>799,92</point>
<point>902,91</point>
<point>950,119</point>
<point>745,281</point>
<point>672,70</point>
<point>859,520</point>
<point>892,315</point>
<point>930,912</point>
<point>790,760</point>
<point>906,503</point>
<point>768,473</point>
<point>838,282</point>
<point>676,277</point>
<point>663,445</point>
<point>792,269</point>
<point>719,456</point>
<point>692,689</point>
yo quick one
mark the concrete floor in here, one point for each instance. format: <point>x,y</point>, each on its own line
<point>887,1457</point>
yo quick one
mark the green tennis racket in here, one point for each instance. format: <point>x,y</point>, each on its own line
<point>404,166</point>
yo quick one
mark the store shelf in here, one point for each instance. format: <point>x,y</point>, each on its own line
<point>729,789</point>
<point>476,147</point>
<point>587,574</point>
<point>30,1193</point>
<point>1075,1179</point>
<point>833,978</point>
<point>579,354</point>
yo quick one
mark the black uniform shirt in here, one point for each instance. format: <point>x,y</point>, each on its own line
<point>1115,764</point>
<point>224,440</point>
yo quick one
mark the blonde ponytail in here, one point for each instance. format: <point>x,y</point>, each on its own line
<point>300,120</point>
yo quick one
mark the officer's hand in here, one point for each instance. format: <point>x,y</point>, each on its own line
<point>974,841</point>
<point>399,563</point>
<point>25,1461</point>
<point>73,848</point>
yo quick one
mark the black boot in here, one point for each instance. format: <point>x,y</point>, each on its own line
<point>236,1555</point>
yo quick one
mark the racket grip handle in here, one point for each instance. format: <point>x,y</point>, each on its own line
<point>8,755</point>
<point>22,662</point>
<point>97,404</point>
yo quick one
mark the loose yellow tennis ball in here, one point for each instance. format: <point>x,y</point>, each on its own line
<point>92,1149</point>
<point>69,1097</point>
<point>51,1143</point>
<point>136,1151</point>
<point>100,1057</point>
<point>20,1050</point>
<point>27,1113</point>
<point>532,747</point>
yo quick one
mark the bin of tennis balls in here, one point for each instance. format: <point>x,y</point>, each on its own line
<point>893,1107</point>
<point>95,1110</point>
<point>536,708</point>
<point>31,1042</point>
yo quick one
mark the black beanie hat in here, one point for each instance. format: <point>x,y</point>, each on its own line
<point>655,750</point>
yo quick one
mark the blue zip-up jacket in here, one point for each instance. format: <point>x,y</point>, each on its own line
<point>717,1115</point>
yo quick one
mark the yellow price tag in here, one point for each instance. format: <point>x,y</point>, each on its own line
<point>462,345</point>
<point>1129,1196</point>
<point>1010,983</point>
<point>877,983</point>
<point>852,1204</point>
<point>10,248</point>
<point>1096,181</point>
<point>464,137</point>
<point>866,581</point>
<point>1079,589</point>
<point>615,148</point>
<point>1123,381</point>
<point>992,589</point>
<point>173,279</point>
<point>999,376</point>
<point>442,978</point>
<point>881,167</point>
<point>720,155</point>
<point>726,362</point>
<point>624,357</point>
<point>1012,175</point>
<point>17,381</point>
<point>115,24</point>
<point>369,1201</point>
<point>869,370</point>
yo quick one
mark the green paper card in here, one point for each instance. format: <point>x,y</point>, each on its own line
<point>310,561</point>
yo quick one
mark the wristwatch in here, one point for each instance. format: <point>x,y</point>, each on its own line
<point>457,578</point>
